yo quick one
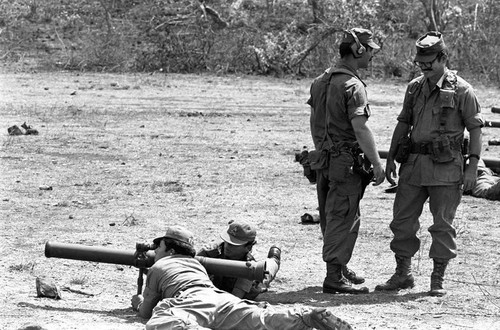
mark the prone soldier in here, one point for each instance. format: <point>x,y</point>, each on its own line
<point>237,243</point>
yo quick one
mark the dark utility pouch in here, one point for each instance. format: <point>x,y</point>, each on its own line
<point>441,149</point>
<point>446,96</point>
<point>341,167</point>
<point>318,159</point>
<point>403,149</point>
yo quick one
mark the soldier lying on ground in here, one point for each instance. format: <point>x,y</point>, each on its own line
<point>180,295</point>
<point>238,241</point>
<point>487,184</point>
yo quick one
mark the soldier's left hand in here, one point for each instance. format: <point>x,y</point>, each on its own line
<point>470,177</point>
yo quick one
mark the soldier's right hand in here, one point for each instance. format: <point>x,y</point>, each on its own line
<point>379,174</point>
<point>136,300</point>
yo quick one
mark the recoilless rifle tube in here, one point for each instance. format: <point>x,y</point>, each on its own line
<point>252,270</point>
<point>488,123</point>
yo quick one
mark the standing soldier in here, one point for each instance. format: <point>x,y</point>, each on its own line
<point>438,106</point>
<point>344,149</point>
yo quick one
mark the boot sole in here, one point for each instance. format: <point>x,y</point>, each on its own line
<point>437,294</point>
<point>353,291</point>
<point>401,287</point>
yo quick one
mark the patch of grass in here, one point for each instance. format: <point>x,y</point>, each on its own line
<point>23,267</point>
<point>79,280</point>
<point>130,220</point>
<point>167,186</point>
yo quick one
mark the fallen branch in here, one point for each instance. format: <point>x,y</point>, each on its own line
<point>69,289</point>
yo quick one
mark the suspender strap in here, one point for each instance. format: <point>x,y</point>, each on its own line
<point>446,95</point>
<point>329,73</point>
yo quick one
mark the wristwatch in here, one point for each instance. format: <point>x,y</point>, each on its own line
<point>474,156</point>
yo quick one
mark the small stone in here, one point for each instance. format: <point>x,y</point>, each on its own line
<point>47,288</point>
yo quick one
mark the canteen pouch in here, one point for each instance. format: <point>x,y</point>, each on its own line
<point>441,149</point>
<point>403,149</point>
<point>341,166</point>
<point>318,159</point>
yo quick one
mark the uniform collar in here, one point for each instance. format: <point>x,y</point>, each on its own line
<point>441,80</point>
<point>343,65</point>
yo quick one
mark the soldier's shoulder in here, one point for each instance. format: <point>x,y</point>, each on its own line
<point>416,81</point>
<point>462,83</point>
<point>211,250</point>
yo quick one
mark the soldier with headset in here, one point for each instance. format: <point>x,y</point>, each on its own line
<point>345,148</point>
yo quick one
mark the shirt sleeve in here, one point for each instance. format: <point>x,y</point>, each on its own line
<point>357,99</point>
<point>152,294</point>
<point>406,113</point>
<point>471,110</point>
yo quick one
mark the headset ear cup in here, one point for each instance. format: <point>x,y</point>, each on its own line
<point>361,50</point>
<point>357,51</point>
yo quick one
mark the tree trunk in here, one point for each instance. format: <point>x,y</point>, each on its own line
<point>430,7</point>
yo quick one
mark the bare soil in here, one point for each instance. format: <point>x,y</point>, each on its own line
<point>123,156</point>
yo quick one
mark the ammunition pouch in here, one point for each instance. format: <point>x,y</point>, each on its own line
<point>440,149</point>
<point>303,159</point>
<point>309,173</point>
<point>318,159</point>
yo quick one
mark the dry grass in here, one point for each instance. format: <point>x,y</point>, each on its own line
<point>200,150</point>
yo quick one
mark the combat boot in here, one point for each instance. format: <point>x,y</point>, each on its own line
<point>351,276</point>
<point>402,278</point>
<point>272,265</point>
<point>322,319</point>
<point>437,278</point>
<point>275,253</point>
<point>335,282</point>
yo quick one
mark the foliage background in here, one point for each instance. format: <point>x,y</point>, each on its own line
<point>271,37</point>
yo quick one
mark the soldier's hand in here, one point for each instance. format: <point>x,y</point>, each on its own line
<point>379,174</point>
<point>390,171</point>
<point>136,300</point>
<point>470,177</point>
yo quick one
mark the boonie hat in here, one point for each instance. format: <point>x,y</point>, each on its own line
<point>428,46</point>
<point>177,233</point>
<point>239,233</point>
<point>364,37</point>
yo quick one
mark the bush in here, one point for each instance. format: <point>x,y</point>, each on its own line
<point>291,37</point>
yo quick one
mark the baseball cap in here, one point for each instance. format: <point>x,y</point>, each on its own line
<point>364,37</point>
<point>428,46</point>
<point>239,233</point>
<point>177,233</point>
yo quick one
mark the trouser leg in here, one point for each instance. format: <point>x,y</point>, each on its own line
<point>408,205</point>
<point>249,315</point>
<point>443,203</point>
<point>342,223</point>
<point>171,316</point>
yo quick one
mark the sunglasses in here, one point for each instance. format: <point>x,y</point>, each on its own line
<point>425,65</point>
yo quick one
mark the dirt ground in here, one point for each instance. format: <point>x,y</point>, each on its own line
<point>120,157</point>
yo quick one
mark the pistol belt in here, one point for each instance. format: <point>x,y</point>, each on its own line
<point>425,148</point>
